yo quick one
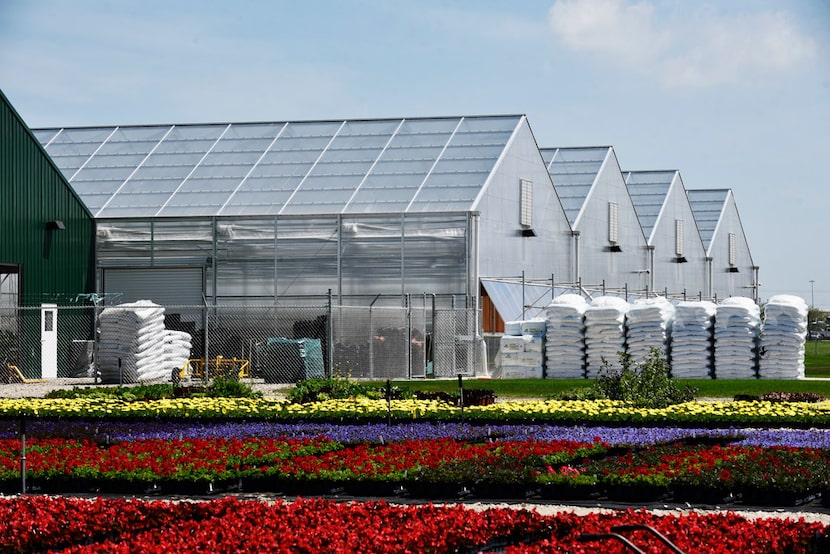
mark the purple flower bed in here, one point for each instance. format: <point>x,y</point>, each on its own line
<point>107,431</point>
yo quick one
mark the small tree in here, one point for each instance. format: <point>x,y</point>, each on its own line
<point>645,384</point>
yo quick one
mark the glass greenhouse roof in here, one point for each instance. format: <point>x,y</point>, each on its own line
<point>707,205</point>
<point>573,172</point>
<point>648,191</point>
<point>307,167</point>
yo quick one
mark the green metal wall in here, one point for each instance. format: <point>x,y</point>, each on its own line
<point>56,265</point>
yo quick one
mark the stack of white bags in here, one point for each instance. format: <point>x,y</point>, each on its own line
<point>132,335</point>
<point>648,327</point>
<point>565,337</point>
<point>737,331</point>
<point>604,334</point>
<point>177,346</point>
<point>692,339</point>
<point>783,338</point>
<point>522,349</point>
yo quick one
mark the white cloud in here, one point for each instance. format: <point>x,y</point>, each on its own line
<point>701,48</point>
<point>621,31</point>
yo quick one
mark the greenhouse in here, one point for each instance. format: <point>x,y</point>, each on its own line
<point>390,213</point>
<point>389,247</point>
<point>678,265</point>
<point>731,271</point>
<point>610,249</point>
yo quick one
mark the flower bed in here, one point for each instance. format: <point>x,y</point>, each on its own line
<point>231,525</point>
<point>428,468</point>
<point>724,414</point>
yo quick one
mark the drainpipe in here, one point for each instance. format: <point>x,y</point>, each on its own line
<point>710,288</point>
<point>577,276</point>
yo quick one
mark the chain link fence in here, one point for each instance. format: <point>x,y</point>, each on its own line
<point>274,344</point>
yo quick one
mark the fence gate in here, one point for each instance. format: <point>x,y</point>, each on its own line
<point>457,348</point>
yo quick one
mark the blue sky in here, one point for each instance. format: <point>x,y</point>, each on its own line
<point>733,94</point>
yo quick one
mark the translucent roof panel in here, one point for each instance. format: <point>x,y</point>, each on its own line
<point>311,167</point>
<point>707,205</point>
<point>340,169</point>
<point>648,191</point>
<point>402,166</point>
<point>465,164</point>
<point>573,172</point>
<point>282,168</point>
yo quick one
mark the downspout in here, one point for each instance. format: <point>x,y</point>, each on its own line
<point>576,269</point>
<point>473,269</point>
<point>755,284</point>
<point>650,249</point>
<point>710,288</point>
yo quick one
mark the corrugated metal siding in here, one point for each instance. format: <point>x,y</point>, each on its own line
<point>55,264</point>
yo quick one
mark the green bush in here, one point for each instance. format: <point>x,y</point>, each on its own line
<point>128,394</point>
<point>229,387</point>
<point>325,388</point>
<point>646,384</point>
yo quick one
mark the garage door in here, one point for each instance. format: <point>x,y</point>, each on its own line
<point>181,286</point>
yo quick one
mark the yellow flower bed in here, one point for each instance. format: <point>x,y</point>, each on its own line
<point>570,411</point>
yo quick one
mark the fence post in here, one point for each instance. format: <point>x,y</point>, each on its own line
<point>409,336</point>
<point>22,455</point>
<point>330,336</point>
<point>461,394</point>
<point>388,402</point>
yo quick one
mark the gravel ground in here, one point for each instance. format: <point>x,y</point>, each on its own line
<point>37,389</point>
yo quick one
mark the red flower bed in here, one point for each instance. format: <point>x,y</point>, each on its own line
<point>232,525</point>
<point>153,458</point>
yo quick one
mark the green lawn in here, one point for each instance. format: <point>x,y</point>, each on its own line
<point>816,362</point>
<point>817,358</point>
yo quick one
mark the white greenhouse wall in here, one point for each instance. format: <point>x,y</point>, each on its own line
<point>503,251</point>
<point>676,278</point>
<point>725,281</point>
<point>627,267</point>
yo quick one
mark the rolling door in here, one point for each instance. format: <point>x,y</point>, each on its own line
<point>181,286</point>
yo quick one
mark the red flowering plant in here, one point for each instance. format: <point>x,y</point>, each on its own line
<point>315,525</point>
<point>780,469</point>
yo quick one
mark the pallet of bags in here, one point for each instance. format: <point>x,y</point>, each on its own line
<point>565,337</point>
<point>737,332</point>
<point>604,334</point>
<point>648,327</point>
<point>131,343</point>
<point>522,353</point>
<point>783,338</point>
<point>177,347</point>
<point>692,340</point>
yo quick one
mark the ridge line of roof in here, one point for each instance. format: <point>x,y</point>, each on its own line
<point>284,121</point>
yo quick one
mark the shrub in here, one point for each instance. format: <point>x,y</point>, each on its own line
<point>230,387</point>
<point>646,384</point>
<point>129,393</point>
<point>325,388</point>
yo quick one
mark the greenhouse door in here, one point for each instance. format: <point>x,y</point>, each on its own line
<point>179,286</point>
<point>49,341</point>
